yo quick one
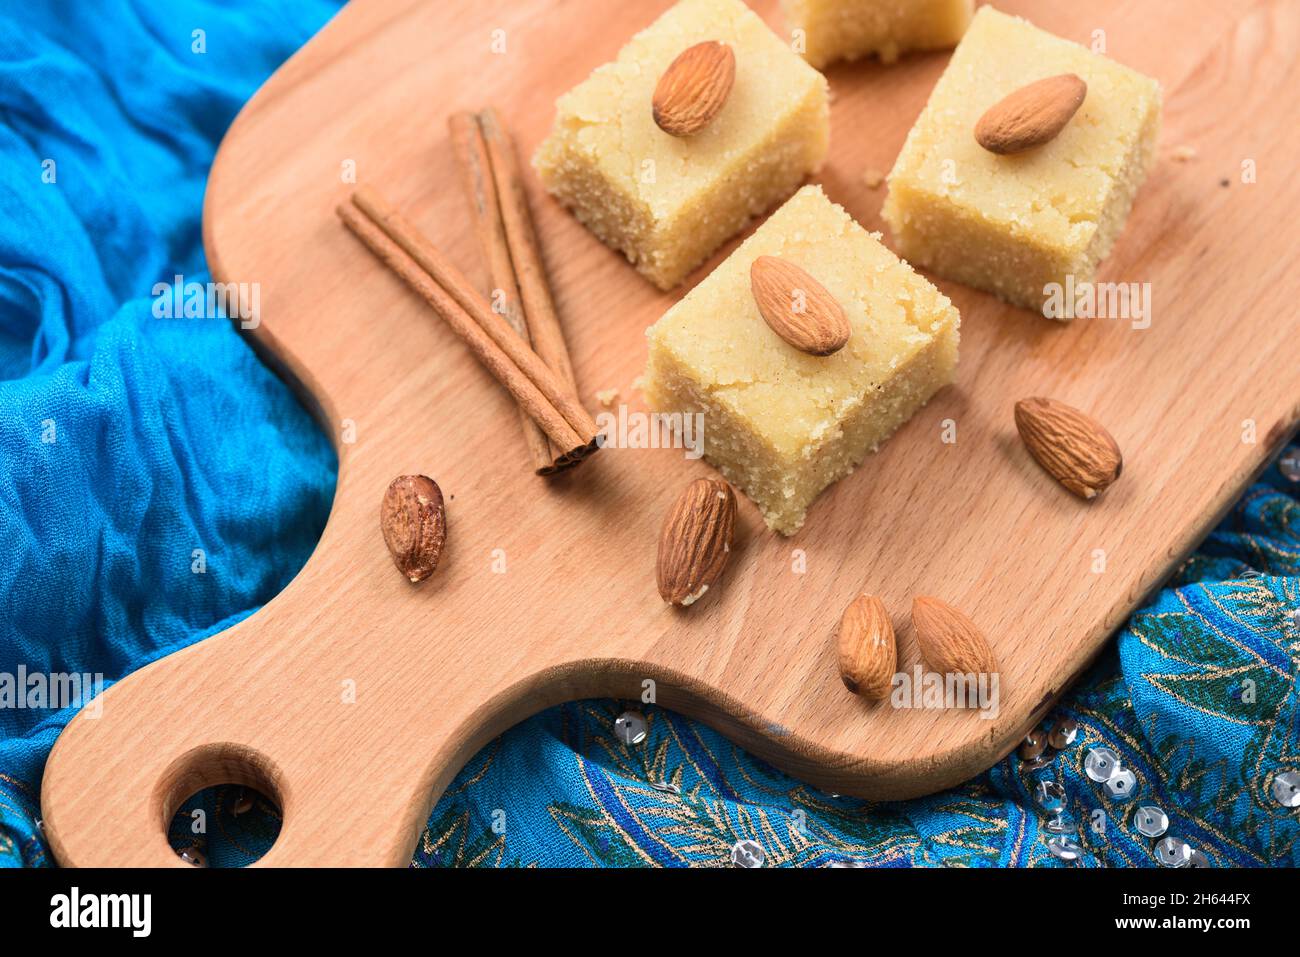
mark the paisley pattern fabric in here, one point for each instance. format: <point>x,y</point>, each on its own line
<point>1197,695</point>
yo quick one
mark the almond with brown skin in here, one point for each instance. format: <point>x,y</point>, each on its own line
<point>694,88</point>
<point>797,307</point>
<point>950,642</point>
<point>868,653</point>
<point>695,542</point>
<point>1073,447</point>
<point>1032,115</point>
<point>414,523</point>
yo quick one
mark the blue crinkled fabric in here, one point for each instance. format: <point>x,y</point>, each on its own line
<point>135,450</point>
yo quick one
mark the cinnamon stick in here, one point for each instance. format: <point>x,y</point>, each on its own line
<point>503,353</point>
<point>446,275</point>
<point>472,157</point>
<point>525,252</point>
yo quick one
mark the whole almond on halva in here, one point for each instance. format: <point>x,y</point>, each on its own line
<point>694,88</point>
<point>797,307</point>
<point>695,542</point>
<point>414,524</point>
<point>868,652</point>
<point>1073,447</point>
<point>1032,115</point>
<point>949,641</point>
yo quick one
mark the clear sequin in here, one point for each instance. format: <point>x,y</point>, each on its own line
<point>1100,764</point>
<point>1150,821</point>
<point>1060,824</point>
<point>1286,789</point>
<point>1172,852</point>
<point>1066,848</point>
<point>243,804</point>
<point>1289,466</point>
<point>1040,762</point>
<point>1198,859</point>
<point>1063,733</point>
<point>747,853</point>
<point>630,727</point>
<point>1033,746</point>
<point>1122,785</point>
<point>1050,796</point>
<point>194,857</point>
<point>665,787</point>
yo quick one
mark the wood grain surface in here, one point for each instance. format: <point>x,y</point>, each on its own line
<point>439,669</point>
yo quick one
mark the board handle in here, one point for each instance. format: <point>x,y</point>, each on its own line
<point>354,780</point>
<point>114,781</point>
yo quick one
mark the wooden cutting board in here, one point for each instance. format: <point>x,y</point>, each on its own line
<point>546,591</point>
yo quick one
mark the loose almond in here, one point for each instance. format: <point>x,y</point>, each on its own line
<point>868,653</point>
<point>1073,447</point>
<point>694,88</point>
<point>949,641</point>
<point>414,524</point>
<point>1032,115</point>
<point>797,307</point>
<point>695,542</point>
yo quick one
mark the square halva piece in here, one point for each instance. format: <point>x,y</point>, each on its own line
<point>780,423</point>
<point>850,29</point>
<point>1012,224</point>
<point>668,202</point>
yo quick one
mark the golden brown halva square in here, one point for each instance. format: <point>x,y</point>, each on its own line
<point>1014,225</point>
<point>780,423</point>
<point>668,201</point>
